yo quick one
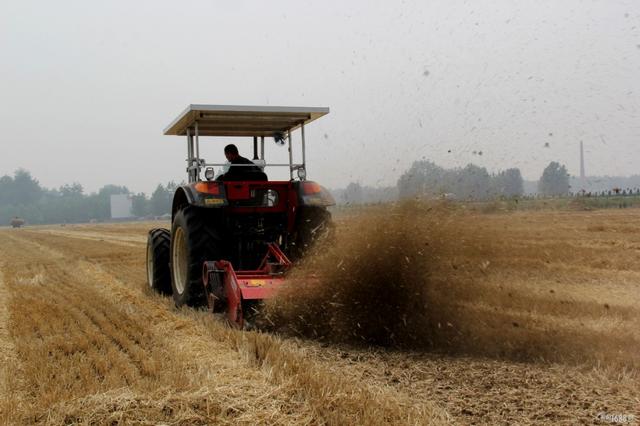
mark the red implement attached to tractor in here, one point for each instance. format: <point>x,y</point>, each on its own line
<point>234,238</point>
<point>243,287</point>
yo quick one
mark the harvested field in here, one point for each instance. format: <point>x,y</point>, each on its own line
<point>512,318</point>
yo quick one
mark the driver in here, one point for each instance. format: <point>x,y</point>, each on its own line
<point>238,172</point>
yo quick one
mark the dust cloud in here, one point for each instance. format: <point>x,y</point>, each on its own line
<point>425,276</point>
<point>381,283</point>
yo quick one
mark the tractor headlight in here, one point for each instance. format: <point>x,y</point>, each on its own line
<point>208,173</point>
<point>302,173</point>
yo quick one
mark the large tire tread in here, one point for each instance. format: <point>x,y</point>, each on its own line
<point>204,243</point>
<point>314,225</point>
<point>160,240</point>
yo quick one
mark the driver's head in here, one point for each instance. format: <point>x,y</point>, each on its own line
<point>231,152</point>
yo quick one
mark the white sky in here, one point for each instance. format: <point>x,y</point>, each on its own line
<point>86,87</point>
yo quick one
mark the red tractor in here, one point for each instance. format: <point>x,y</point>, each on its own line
<point>232,242</point>
<point>16,222</point>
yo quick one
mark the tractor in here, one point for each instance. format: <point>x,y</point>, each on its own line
<point>17,222</point>
<point>233,241</point>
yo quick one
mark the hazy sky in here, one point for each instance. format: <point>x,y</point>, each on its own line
<point>86,87</point>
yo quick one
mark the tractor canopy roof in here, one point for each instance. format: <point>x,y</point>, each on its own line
<point>239,120</point>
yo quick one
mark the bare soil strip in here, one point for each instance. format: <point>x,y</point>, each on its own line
<point>131,241</point>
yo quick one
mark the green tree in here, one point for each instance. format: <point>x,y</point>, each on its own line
<point>423,178</point>
<point>353,194</point>
<point>27,189</point>
<point>473,183</point>
<point>100,203</point>
<point>140,205</point>
<point>554,180</point>
<point>160,200</point>
<point>21,190</point>
<point>71,204</point>
<point>172,186</point>
<point>508,183</point>
<point>108,190</point>
<point>73,190</point>
<point>6,190</point>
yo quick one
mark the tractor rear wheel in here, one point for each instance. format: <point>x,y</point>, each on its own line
<point>158,273</point>
<point>194,239</point>
<point>313,225</point>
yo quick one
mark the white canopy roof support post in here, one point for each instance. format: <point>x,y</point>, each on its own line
<point>189,153</point>
<point>192,162</point>
<point>189,148</point>
<point>290,155</point>
<point>197,162</point>
<point>304,154</point>
<point>197,140</point>
<point>255,148</point>
<point>262,148</point>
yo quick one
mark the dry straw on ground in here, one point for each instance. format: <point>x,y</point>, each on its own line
<point>425,315</point>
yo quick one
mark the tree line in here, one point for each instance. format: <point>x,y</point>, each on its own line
<point>426,179</point>
<point>21,195</point>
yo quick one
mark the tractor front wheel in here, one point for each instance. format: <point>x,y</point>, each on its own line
<point>194,240</point>
<point>158,274</point>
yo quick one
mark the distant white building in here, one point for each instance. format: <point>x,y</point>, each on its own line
<point>121,205</point>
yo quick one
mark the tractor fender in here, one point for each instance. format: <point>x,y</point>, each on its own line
<point>211,195</point>
<point>313,194</point>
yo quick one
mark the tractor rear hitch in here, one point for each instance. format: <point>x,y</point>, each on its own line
<point>224,286</point>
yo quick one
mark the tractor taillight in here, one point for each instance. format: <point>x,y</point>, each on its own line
<point>311,188</point>
<point>212,188</point>
<point>313,194</point>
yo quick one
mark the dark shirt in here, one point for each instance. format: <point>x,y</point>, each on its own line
<point>252,172</point>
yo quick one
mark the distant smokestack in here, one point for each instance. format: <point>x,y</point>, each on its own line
<point>581,161</point>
